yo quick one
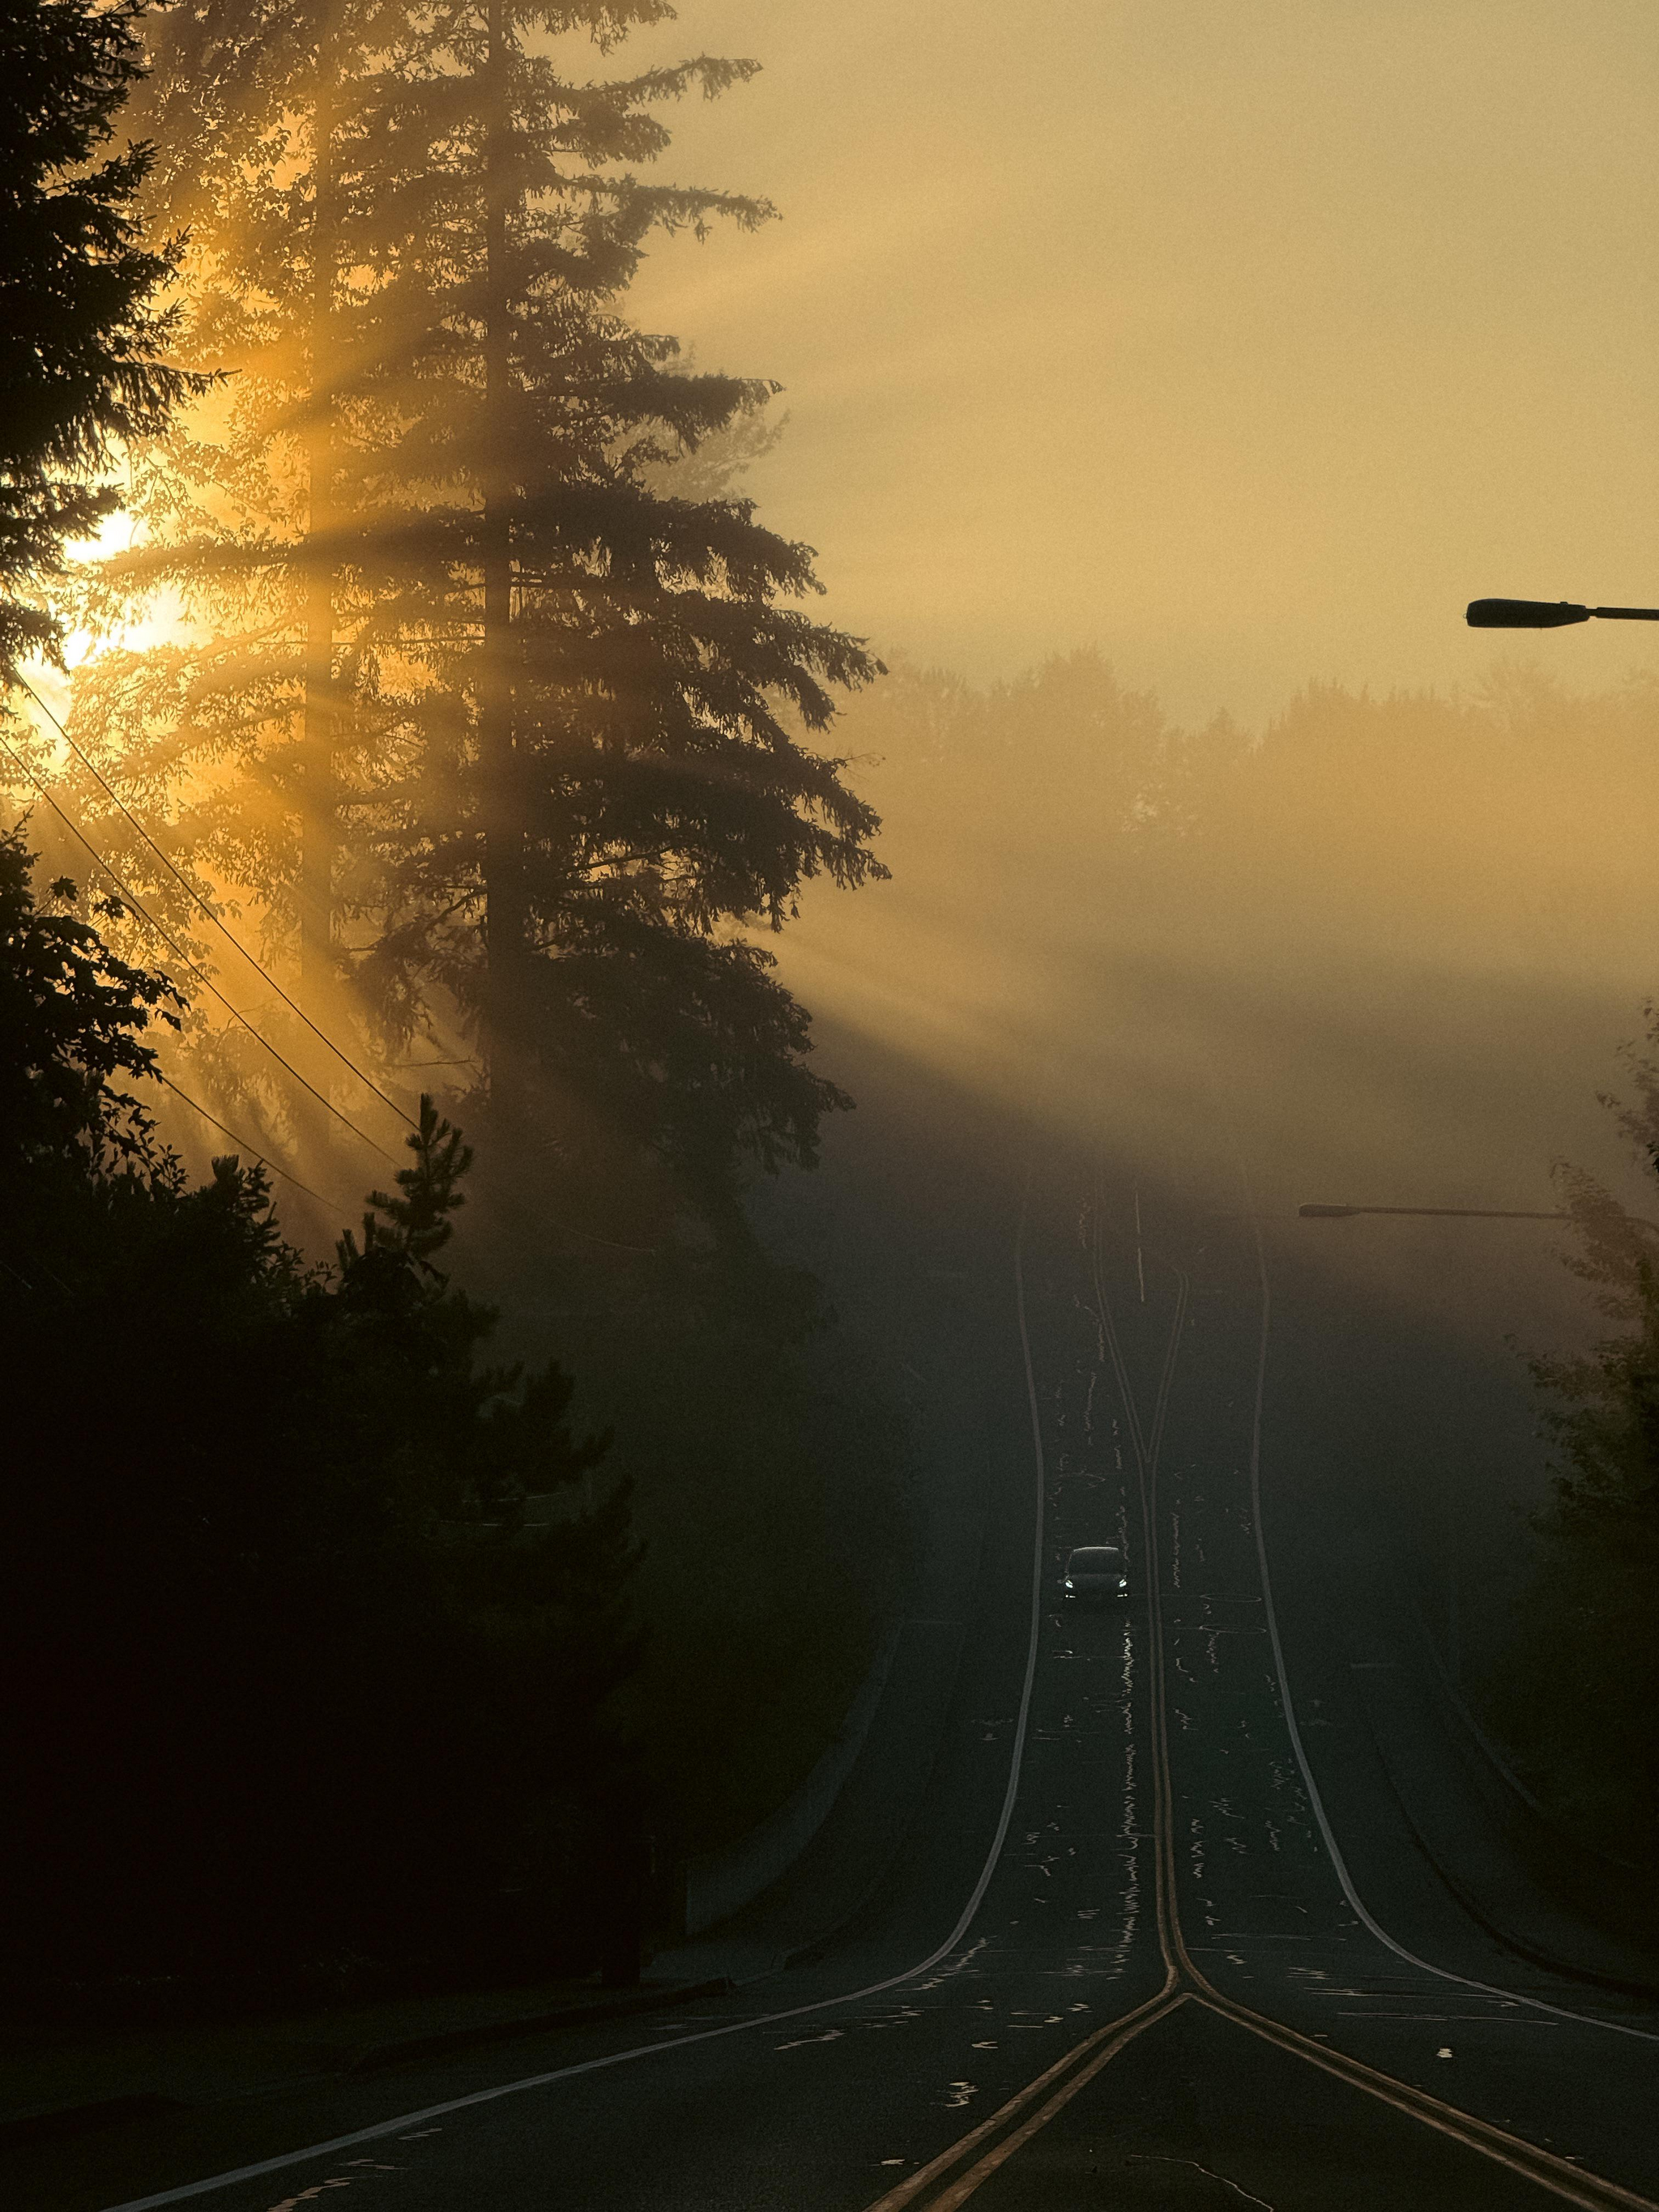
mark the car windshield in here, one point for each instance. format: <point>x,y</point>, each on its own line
<point>1095,1560</point>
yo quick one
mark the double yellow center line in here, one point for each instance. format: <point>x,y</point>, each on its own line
<point>1079,2067</point>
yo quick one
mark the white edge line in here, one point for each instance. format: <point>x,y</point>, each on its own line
<point>1337,1863</point>
<point>383,2128</point>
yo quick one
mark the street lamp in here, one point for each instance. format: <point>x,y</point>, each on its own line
<point>1547,614</point>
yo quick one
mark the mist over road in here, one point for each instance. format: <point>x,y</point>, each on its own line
<point>1118,1959</point>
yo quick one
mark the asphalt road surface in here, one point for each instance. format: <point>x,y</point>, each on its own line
<point>1148,1944</point>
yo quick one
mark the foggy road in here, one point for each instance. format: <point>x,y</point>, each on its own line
<point>585,589</point>
<point>1122,1958</point>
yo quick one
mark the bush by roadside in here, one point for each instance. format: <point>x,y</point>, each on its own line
<point>1578,1692</point>
<point>290,1677</point>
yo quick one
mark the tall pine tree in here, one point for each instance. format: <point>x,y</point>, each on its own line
<point>517,738</point>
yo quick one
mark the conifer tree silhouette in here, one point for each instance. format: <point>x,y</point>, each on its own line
<point>516,733</point>
<point>81,335</point>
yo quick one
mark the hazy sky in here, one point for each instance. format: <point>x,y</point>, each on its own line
<point>1247,339</point>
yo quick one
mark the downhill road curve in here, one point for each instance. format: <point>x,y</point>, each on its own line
<point>1129,1955</point>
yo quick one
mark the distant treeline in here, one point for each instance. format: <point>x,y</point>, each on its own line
<point>1509,824</point>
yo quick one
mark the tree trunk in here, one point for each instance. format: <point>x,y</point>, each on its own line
<point>319,825</point>
<point>506,937</point>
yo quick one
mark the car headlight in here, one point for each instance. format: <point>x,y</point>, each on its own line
<point>1069,1585</point>
<point>1123,1582</point>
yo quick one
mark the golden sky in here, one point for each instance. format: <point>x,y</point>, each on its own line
<point>1246,339</point>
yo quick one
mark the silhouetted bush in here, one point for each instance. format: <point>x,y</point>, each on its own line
<point>288,1673</point>
<point>1577,1691</point>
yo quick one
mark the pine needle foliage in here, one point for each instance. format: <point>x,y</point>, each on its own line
<point>499,729</point>
<point>73,1017</point>
<point>83,332</point>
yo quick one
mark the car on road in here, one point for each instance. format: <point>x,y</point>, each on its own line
<point>1099,1571</point>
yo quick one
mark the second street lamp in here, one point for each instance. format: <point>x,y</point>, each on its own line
<point>1547,614</point>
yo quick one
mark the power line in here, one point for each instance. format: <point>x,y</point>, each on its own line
<point>168,863</point>
<point>264,1159</point>
<point>587,1235</point>
<point>206,981</point>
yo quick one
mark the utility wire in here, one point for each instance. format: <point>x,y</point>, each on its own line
<point>206,981</point>
<point>168,862</point>
<point>588,1235</point>
<point>264,1159</point>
